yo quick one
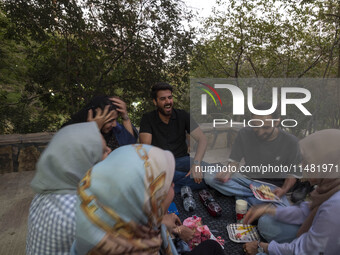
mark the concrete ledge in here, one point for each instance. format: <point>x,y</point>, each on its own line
<point>26,138</point>
<point>20,152</point>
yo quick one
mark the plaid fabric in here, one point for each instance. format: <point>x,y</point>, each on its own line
<point>51,224</point>
<point>246,233</point>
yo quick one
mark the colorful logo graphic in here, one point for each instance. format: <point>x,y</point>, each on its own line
<point>239,101</point>
<point>209,93</point>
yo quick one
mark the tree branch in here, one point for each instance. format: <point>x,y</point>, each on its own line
<point>112,64</point>
<point>252,66</point>
<point>331,53</point>
<point>311,66</point>
<point>223,68</point>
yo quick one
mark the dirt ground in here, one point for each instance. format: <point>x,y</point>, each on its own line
<point>15,199</point>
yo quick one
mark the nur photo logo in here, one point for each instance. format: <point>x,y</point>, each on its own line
<point>295,96</point>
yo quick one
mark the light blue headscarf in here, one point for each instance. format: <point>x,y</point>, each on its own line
<point>72,151</point>
<point>120,203</point>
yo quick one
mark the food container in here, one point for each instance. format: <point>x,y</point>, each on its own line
<point>240,233</point>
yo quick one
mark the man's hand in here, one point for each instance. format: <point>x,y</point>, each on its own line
<point>257,211</point>
<point>287,185</point>
<point>102,117</point>
<point>121,107</point>
<point>196,173</point>
<point>223,176</point>
<point>279,192</point>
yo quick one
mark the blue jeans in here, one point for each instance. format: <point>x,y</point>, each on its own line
<point>271,229</point>
<point>268,227</point>
<point>183,165</point>
<point>238,186</point>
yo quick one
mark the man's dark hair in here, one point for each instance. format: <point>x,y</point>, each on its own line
<point>266,106</point>
<point>159,86</point>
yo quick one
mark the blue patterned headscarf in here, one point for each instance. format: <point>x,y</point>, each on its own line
<point>120,203</point>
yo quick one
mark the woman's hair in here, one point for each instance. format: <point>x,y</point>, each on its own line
<point>96,102</point>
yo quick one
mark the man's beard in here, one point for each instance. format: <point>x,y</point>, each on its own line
<point>266,136</point>
<point>163,112</point>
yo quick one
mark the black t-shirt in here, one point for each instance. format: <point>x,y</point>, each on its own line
<point>283,150</point>
<point>171,136</point>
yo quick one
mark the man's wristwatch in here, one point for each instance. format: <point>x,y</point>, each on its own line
<point>196,162</point>
<point>259,248</point>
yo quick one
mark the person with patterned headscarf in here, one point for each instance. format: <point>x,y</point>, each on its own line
<point>122,202</point>
<point>315,223</point>
<point>71,152</point>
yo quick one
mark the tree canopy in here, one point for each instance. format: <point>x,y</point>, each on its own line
<point>275,39</point>
<point>74,50</point>
<point>57,54</point>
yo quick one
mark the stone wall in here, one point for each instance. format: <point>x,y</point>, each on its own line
<point>20,152</point>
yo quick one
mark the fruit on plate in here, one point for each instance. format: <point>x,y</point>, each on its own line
<point>266,192</point>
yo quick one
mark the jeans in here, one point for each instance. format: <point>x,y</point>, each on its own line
<point>238,186</point>
<point>271,229</point>
<point>268,227</point>
<point>183,165</point>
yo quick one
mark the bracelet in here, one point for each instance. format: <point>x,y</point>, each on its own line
<point>127,117</point>
<point>259,247</point>
<point>178,230</point>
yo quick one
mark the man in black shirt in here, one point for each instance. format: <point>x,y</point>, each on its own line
<point>166,128</point>
<point>262,145</point>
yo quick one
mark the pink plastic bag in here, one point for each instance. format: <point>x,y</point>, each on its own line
<point>202,232</point>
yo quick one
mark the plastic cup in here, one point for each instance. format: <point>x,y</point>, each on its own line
<point>241,209</point>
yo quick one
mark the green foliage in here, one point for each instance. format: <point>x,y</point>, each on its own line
<point>56,55</point>
<point>77,49</point>
<point>264,39</point>
<point>274,39</point>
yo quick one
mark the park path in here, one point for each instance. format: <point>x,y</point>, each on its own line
<point>15,199</point>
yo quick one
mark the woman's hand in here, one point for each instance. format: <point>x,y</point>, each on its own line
<point>171,221</point>
<point>184,232</point>
<point>102,117</point>
<point>174,225</point>
<point>257,211</point>
<point>121,107</point>
<point>251,248</point>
